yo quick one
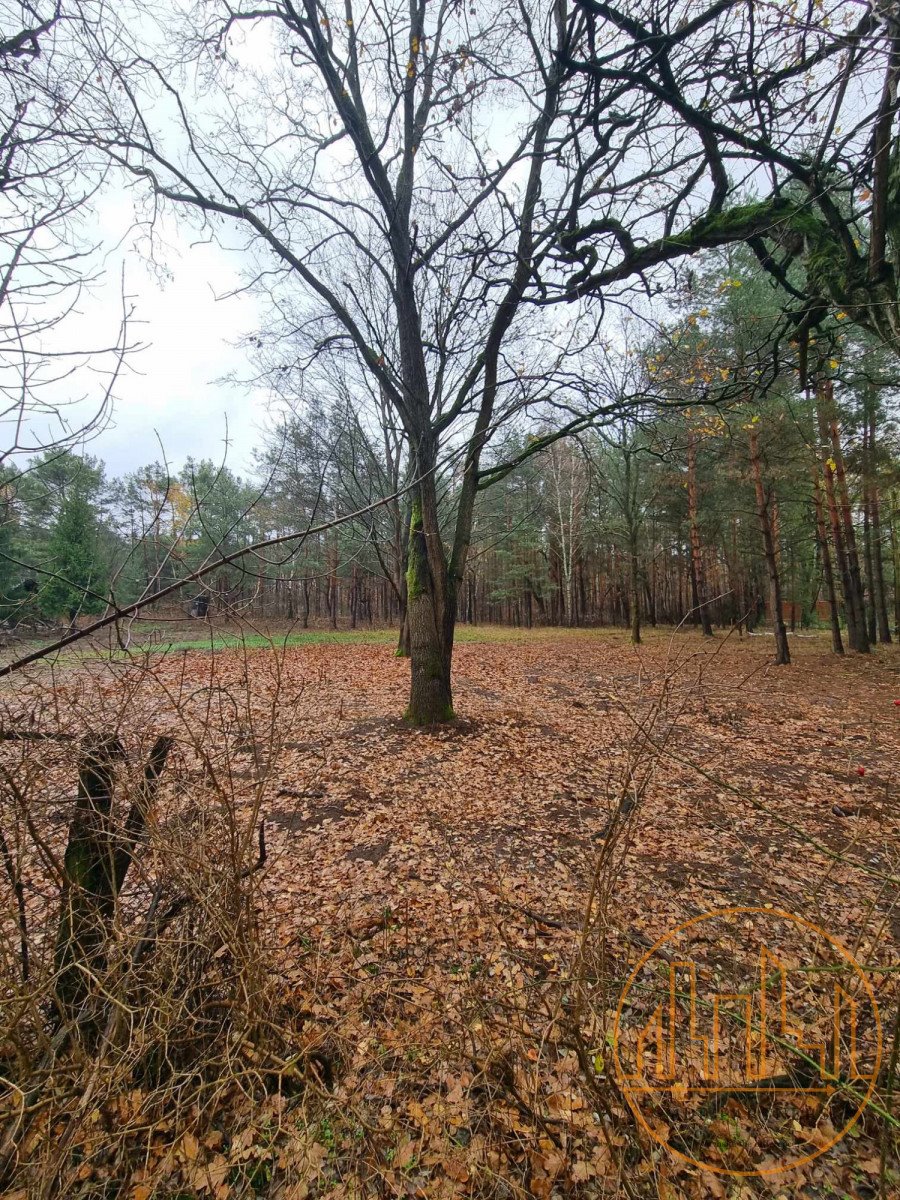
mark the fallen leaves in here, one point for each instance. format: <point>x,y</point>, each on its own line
<point>425,892</point>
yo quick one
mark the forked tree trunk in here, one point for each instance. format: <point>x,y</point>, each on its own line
<point>782,651</point>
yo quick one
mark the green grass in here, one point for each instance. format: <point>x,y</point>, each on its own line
<point>162,639</point>
<point>315,637</point>
<point>261,641</point>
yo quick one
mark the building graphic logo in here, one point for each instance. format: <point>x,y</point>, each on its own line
<point>779,1028</point>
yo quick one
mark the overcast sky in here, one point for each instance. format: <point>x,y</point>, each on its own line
<point>172,392</point>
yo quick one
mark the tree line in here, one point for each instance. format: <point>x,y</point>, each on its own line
<point>692,504</point>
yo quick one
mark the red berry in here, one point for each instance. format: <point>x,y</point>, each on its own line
<point>860,770</point>
<point>897,704</point>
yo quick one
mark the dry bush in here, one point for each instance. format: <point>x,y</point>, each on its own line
<point>139,1013</point>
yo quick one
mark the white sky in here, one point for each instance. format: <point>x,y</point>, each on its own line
<point>172,398</point>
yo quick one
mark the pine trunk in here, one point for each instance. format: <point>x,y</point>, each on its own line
<point>698,584</point>
<point>853,568</point>
<point>880,593</point>
<point>855,617</point>
<point>895,555</point>
<point>837,643</point>
<point>782,651</point>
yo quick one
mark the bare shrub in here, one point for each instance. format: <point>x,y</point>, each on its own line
<point>138,1002</point>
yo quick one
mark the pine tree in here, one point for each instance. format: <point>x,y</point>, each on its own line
<point>79,580</point>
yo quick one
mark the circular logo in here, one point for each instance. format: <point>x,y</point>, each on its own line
<point>747,1041</point>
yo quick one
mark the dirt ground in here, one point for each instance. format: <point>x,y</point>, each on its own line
<point>454,912</point>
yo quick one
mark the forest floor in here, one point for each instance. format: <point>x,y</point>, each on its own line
<point>454,912</point>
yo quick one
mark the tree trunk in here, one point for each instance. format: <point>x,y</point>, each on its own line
<point>634,587</point>
<point>782,651</point>
<point>837,643</point>
<point>403,644</point>
<point>96,862</point>
<point>841,524</point>
<point>842,496</point>
<point>871,618</point>
<point>698,583</point>
<point>430,697</point>
<point>333,596</point>
<point>89,885</point>
<point>398,583</point>
<point>895,555</point>
<point>880,595</point>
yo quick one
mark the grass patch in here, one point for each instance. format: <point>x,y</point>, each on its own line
<point>314,637</point>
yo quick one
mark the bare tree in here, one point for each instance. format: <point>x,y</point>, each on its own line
<point>54,391</point>
<point>687,112</point>
<point>396,167</point>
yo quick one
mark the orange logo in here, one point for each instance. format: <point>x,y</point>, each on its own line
<point>761,1059</point>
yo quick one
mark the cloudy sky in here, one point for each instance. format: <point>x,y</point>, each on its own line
<point>172,397</point>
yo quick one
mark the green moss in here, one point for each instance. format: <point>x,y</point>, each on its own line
<point>732,224</point>
<point>741,218</point>
<point>445,715</point>
<point>416,570</point>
